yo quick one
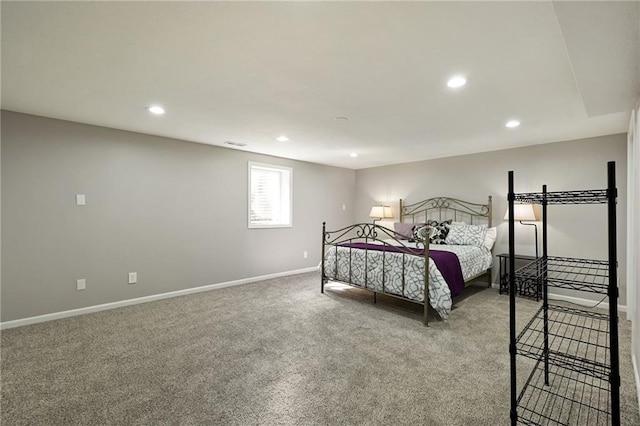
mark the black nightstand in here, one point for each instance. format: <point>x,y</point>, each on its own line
<point>521,260</point>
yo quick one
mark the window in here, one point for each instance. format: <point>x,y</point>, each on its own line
<point>269,196</point>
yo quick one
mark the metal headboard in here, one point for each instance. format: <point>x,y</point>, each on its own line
<point>443,208</point>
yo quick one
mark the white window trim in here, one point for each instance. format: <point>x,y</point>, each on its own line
<point>252,225</point>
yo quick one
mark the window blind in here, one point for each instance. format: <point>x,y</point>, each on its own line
<point>270,196</point>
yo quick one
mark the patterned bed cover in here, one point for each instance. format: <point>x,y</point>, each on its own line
<point>349,264</point>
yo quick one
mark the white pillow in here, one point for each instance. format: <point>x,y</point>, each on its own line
<point>490,238</point>
<point>468,235</point>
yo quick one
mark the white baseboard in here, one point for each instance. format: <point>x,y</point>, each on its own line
<point>145,299</point>
<point>585,302</point>
<point>634,360</point>
<point>577,300</point>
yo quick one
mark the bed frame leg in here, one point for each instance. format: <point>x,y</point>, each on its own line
<point>375,300</point>
<point>425,320</point>
<point>489,274</point>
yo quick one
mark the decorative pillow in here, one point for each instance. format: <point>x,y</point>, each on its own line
<point>403,231</point>
<point>490,238</point>
<point>466,235</point>
<point>420,232</point>
<point>438,231</point>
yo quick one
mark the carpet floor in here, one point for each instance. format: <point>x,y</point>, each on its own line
<point>274,352</point>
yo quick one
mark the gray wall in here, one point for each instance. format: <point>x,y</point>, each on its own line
<point>174,212</point>
<point>577,231</point>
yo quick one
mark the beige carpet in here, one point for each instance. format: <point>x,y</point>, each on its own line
<point>275,352</point>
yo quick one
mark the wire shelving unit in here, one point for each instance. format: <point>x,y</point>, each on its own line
<point>575,378</point>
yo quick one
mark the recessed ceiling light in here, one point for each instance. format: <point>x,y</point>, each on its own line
<point>512,123</point>
<point>282,138</point>
<point>456,81</point>
<point>155,109</point>
<point>353,155</point>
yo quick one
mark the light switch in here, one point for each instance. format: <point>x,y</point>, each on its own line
<point>81,284</point>
<point>80,201</point>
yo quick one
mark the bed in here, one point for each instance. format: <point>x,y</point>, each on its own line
<point>453,237</point>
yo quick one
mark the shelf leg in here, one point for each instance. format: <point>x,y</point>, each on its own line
<point>613,294</point>
<point>512,302</point>
<point>545,298</point>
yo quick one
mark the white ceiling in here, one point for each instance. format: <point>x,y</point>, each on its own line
<point>250,71</point>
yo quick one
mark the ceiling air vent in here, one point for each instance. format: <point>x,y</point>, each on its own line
<point>235,143</point>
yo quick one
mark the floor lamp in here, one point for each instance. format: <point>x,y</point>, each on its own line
<point>525,212</point>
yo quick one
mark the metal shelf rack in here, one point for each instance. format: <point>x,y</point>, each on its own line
<point>568,398</point>
<point>592,196</point>
<point>566,272</point>
<point>577,340</point>
<point>575,379</point>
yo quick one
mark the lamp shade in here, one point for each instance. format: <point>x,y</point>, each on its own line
<point>522,212</point>
<point>382,212</point>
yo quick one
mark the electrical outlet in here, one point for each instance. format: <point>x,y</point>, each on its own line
<point>81,284</point>
<point>344,207</point>
<point>133,277</point>
<point>80,200</point>
<point>304,254</point>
